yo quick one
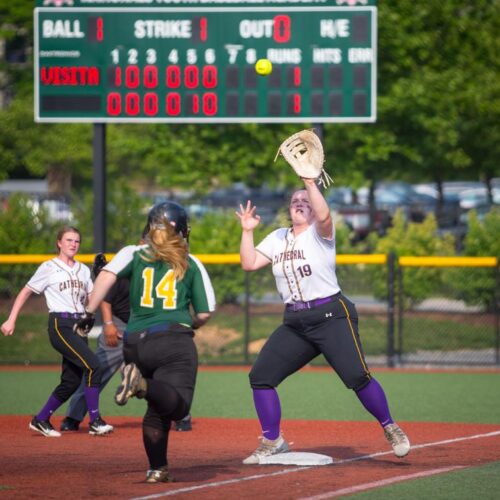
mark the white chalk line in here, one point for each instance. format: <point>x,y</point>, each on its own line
<point>382,482</point>
<point>215,484</point>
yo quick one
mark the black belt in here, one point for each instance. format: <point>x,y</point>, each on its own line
<point>311,304</point>
<point>165,327</point>
<point>66,315</point>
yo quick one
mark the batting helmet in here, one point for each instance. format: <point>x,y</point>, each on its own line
<point>171,211</point>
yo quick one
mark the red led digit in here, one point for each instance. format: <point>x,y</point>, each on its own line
<point>118,76</point>
<point>209,104</point>
<point>173,77</point>
<point>282,29</point>
<point>132,103</point>
<point>132,79</point>
<point>99,29</point>
<point>203,29</point>
<point>150,77</point>
<point>173,103</point>
<point>209,77</point>
<point>191,77</point>
<point>296,103</point>
<point>195,103</point>
<point>297,76</point>
<point>114,104</point>
<point>150,104</point>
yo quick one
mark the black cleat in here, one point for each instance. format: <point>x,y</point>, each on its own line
<point>99,427</point>
<point>43,427</point>
<point>70,425</point>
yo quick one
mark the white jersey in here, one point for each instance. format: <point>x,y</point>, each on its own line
<point>303,266</point>
<point>66,288</point>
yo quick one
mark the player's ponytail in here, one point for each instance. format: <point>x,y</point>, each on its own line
<point>167,245</point>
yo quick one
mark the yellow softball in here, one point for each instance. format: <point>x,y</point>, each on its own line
<point>263,67</point>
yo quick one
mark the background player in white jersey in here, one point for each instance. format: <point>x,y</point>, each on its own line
<point>66,284</point>
<point>317,318</point>
<point>170,296</point>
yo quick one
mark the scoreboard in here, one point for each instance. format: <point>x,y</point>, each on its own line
<point>196,64</point>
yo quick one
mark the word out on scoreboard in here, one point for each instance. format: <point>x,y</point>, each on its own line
<point>197,64</point>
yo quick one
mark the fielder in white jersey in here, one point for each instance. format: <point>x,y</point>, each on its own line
<point>66,284</point>
<point>65,287</point>
<point>318,318</point>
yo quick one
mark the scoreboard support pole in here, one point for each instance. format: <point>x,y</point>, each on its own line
<point>99,180</point>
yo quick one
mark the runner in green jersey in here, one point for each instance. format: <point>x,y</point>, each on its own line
<point>170,296</point>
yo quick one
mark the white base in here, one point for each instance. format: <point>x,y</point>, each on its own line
<point>296,458</point>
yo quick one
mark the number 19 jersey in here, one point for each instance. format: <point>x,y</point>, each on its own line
<point>303,266</point>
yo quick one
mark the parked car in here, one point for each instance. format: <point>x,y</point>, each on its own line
<point>355,215</point>
<point>415,203</point>
<point>478,198</point>
<point>393,196</point>
<point>449,213</point>
<point>268,201</point>
<point>58,210</point>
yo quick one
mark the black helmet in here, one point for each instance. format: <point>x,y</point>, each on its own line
<point>171,211</point>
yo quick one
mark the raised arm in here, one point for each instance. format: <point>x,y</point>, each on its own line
<point>251,260</point>
<point>320,208</point>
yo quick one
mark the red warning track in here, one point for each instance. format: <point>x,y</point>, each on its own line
<point>206,462</point>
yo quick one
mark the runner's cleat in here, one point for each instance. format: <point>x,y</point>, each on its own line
<point>132,384</point>
<point>160,475</point>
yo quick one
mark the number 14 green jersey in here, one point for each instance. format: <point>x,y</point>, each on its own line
<point>155,295</point>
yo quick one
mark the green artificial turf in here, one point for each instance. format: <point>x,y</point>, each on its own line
<point>431,397</point>
<point>465,484</point>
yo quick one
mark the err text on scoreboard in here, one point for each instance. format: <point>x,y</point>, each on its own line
<point>197,65</point>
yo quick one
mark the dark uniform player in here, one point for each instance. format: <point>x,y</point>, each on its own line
<point>66,284</point>
<point>165,283</point>
<point>115,310</point>
<point>317,319</point>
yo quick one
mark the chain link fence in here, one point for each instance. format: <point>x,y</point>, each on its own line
<point>456,322</point>
<point>412,311</point>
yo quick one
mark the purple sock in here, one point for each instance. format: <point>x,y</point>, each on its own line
<point>92,399</point>
<point>267,405</point>
<point>373,398</point>
<point>50,407</point>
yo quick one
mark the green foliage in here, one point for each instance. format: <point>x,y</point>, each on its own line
<point>44,149</point>
<point>477,286</point>
<point>412,239</point>
<point>483,236</point>
<point>23,232</point>
<point>220,233</point>
<point>126,216</point>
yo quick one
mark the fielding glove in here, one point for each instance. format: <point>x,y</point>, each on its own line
<point>83,326</point>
